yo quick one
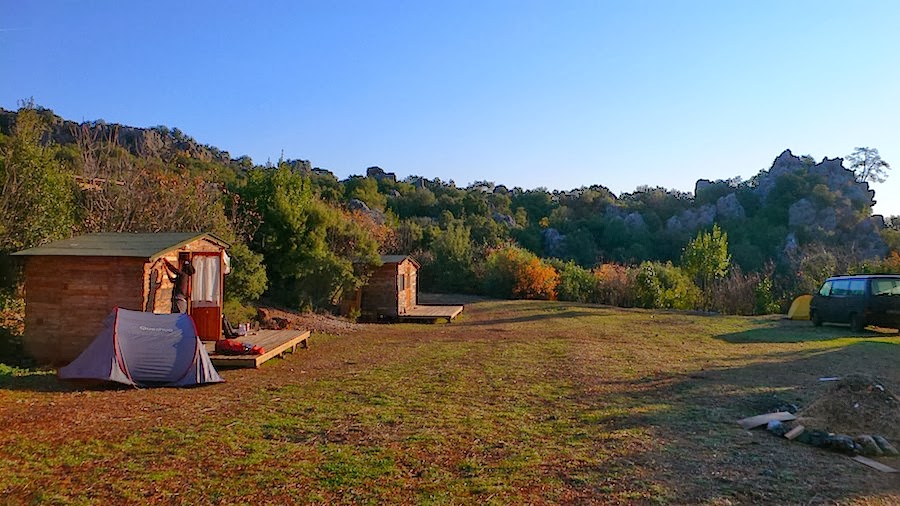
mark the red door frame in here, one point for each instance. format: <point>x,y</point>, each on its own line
<point>208,319</point>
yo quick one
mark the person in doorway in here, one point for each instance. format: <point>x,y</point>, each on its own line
<point>181,279</point>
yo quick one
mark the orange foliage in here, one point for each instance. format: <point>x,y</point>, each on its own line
<point>614,285</point>
<point>535,280</point>
<point>384,235</point>
<point>892,263</point>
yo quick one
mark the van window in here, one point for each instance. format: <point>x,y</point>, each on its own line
<point>825,291</point>
<point>841,287</point>
<point>857,287</point>
<point>886,286</point>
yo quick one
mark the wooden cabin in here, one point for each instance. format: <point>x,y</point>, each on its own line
<point>391,289</point>
<point>72,285</point>
<point>392,294</point>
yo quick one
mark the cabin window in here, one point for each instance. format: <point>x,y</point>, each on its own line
<point>401,282</point>
<point>205,287</point>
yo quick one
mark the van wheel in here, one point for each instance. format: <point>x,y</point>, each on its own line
<point>816,319</point>
<point>857,324</point>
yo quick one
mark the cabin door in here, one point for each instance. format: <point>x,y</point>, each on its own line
<point>207,294</point>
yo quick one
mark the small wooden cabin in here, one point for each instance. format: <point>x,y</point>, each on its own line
<point>72,285</point>
<point>392,294</point>
<point>391,290</point>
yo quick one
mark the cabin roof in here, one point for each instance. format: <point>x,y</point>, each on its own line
<point>396,259</point>
<point>111,244</point>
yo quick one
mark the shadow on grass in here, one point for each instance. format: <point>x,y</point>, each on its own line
<point>696,414</point>
<point>791,331</point>
<point>45,380</point>
<point>37,380</point>
<point>550,315</point>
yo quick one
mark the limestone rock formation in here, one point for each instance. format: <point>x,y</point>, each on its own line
<point>729,207</point>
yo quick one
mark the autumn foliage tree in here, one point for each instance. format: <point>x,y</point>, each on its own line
<point>615,284</point>
<point>513,272</point>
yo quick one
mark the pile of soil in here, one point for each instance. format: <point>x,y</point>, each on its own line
<point>854,405</point>
<point>273,318</point>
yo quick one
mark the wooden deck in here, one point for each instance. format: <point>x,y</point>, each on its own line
<point>275,342</point>
<point>419,313</point>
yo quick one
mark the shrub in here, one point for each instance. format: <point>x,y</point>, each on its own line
<point>615,285</point>
<point>765,298</point>
<point>237,312</point>
<point>536,280</point>
<point>512,272</point>
<point>576,283</point>
<point>665,286</point>
<point>744,294</point>
<point>889,265</point>
<point>12,317</point>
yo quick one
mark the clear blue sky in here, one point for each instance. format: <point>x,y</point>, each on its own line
<point>554,94</point>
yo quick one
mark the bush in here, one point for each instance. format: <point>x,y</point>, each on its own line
<point>512,272</point>
<point>765,298</point>
<point>744,294</point>
<point>615,285</point>
<point>12,317</point>
<point>665,286</point>
<point>576,283</point>
<point>237,312</point>
<point>536,280</point>
<point>889,265</point>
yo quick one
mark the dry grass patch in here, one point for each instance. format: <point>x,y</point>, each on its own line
<point>517,402</point>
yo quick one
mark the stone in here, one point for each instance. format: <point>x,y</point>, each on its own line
<point>729,207</point>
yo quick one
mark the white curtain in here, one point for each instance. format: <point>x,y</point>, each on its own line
<point>206,279</point>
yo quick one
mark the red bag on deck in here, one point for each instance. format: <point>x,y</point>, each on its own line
<point>229,347</point>
<point>234,347</point>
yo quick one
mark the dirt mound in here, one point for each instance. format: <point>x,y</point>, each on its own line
<point>854,405</point>
<point>272,318</point>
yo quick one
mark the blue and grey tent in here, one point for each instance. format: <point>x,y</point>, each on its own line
<point>145,349</point>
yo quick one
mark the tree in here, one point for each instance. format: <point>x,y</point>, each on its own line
<point>313,252</point>
<point>37,201</point>
<point>453,259</point>
<point>868,165</point>
<point>706,257</point>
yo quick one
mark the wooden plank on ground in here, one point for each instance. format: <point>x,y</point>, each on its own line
<point>874,464</point>
<point>756,421</point>
<point>796,431</point>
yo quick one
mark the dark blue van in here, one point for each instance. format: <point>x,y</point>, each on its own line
<point>869,299</point>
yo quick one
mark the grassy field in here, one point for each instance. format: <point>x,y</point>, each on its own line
<point>516,402</point>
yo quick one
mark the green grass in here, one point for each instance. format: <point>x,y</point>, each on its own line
<point>517,402</point>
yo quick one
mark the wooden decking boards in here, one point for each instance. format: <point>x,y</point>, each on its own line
<point>431,312</point>
<point>275,343</point>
